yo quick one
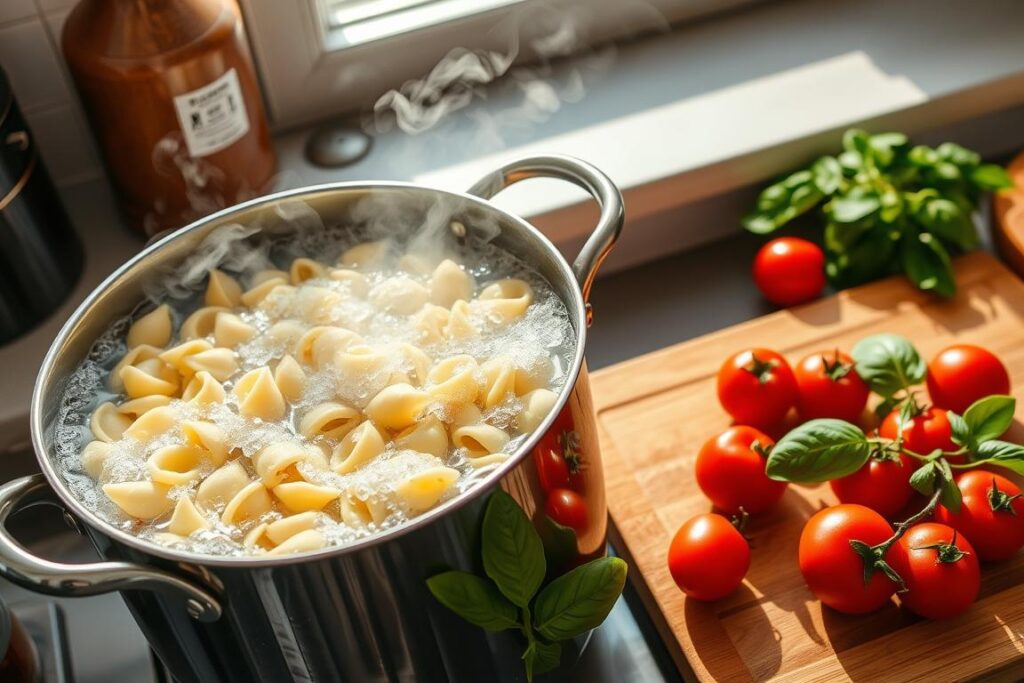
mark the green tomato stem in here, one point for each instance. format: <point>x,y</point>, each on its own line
<point>882,548</point>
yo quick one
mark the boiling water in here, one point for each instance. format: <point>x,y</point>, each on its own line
<point>543,334</point>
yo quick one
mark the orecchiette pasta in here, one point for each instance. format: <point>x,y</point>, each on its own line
<point>355,395</point>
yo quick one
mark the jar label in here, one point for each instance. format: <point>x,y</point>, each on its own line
<point>212,117</point>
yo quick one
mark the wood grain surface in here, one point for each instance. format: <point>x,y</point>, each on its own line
<point>654,413</point>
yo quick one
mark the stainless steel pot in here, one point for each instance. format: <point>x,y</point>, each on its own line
<point>355,613</point>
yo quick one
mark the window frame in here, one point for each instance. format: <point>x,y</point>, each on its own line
<point>304,79</point>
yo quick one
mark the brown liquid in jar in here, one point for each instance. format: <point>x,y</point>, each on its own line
<point>170,91</point>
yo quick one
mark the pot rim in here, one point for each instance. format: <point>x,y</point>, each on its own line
<point>480,488</point>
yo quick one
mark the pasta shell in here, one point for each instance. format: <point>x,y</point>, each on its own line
<point>463,415</point>
<point>221,486</point>
<point>365,255</point>
<point>186,518</point>
<point>257,538</point>
<point>94,457</point>
<point>431,322</point>
<point>175,465</point>
<point>303,269</point>
<point>107,423</point>
<point>536,375</point>
<point>506,300</point>
<point>333,420</point>
<point>417,362</point>
<point>258,395</point>
<point>149,377</point>
<point>487,460</point>
<point>268,276</point>
<point>153,329</point>
<point>221,363</point>
<point>450,283</point>
<point>285,334</point>
<point>460,323</point>
<point>318,346</point>
<point>302,542</point>
<point>209,437</point>
<point>480,439</point>
<point>249,503</point>
<point>454,380</point>
<point>283,529</point>
<point>301,496</point>
<point>357,513</point>
<point>397,406</point>
<point>230,331</point>
<point>317,305</point>
<point>255,295</point>
<point>414,264</point>
<point>135,355</point>
<point>500,381</point>
<point>399,295</point>
<point>424,490</point>
<point>176,354</point>
<point>222,290</point>
<point>537,404</point>
<point>200,323</point>
<point>359,446</point>
<point>203,389</point>
<point>354,282</point>
<point>426,436</point>
<point>290,378</point>
<point>152,424</point>
<point>140,499</point>
<point>137,407</point>
<point>271,461</point>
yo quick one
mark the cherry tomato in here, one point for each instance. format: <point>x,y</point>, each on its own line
<point>828,386</point>
<point>922,433</point>
<point>757,387</point>
<point>552,469</point>
<point>991,514</point>
<point>567,508</point>
<point>789,271</point>
<point>731,473</point>
<point>832,568</point>
<point>882,485</point>
<point>960,375</point>
<point>940,569</point>
<point>708,557</point>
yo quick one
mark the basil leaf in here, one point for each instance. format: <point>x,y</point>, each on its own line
<point>579,600</point>
<point>474,599</point>
<point>922,155</point>
<point>1004,454</point>
<point>541,658</point>
<point>926,262</point>
<point>512,551</point>
<point>949,495</point>
<point>850,209</point>
<point>922,479</point>
<point>955,154</point>
<point>884,146</point>
<point>759,223</point>
<point>866,259</point>
<point>888,363</point>
<point>961,432</point>
<point>828,175</point>
<point>991,177</point>
<point>947,220</point>
<point>818,450</point>
<point>988,418</point>
<point>856,140</point>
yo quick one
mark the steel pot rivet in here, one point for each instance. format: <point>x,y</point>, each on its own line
<point>195,608</point>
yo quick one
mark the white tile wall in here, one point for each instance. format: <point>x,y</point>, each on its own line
<point>30,55</point>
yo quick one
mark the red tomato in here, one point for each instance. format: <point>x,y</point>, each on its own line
<point>789,271</point>
<point>882,485</point>
<point>552,469</point>
<point>567,508</point>
<point>960,375</point>
<point>708,557</point>
<point>923,433</point>
<point>731,473</point>
<point>757,387</point>
<point>940,569</point>
<point>991,515</point>
<point>828,386</point>
<point>832,568</point>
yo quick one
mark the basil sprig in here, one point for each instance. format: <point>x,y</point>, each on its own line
<point>514,561</point>
<point>819,450</point>
<point>888,207</point>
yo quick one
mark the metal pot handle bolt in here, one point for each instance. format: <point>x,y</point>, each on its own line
<point>580,173</point>
<point>80,580</point>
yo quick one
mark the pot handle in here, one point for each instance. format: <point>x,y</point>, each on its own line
<point>79,580</point>
<point>578,172</point>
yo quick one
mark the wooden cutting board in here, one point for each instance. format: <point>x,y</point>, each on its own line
<point>655,411</point>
